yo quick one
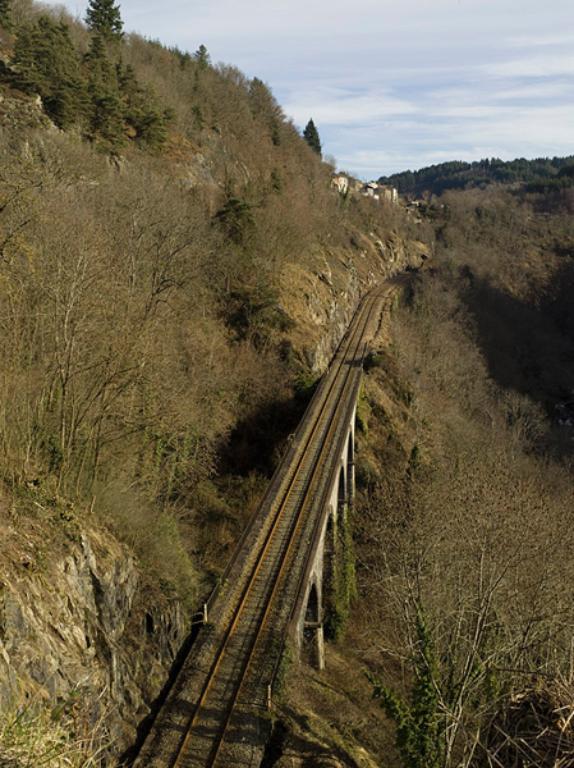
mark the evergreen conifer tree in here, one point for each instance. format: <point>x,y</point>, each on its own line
<point>202,57</point>
<point>106,115</point>
<point>311,136</point>
<point>45,62</point>
<point>6,14</point>
<point>145,120</point>
<point>103,19</point>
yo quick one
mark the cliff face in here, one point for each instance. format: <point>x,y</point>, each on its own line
<point>78,623</point>
<point>18,111</point>
<point>322,294</point>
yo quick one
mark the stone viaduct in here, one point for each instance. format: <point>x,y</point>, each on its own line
<point>325,575</point>
<point>289,581</point>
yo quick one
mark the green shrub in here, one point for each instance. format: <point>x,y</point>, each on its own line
<point>419,724</point>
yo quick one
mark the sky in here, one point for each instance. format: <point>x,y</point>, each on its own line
<point>394,85</point>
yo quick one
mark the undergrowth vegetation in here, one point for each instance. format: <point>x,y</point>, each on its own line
<point>32,736</point>
<point>471,590</point>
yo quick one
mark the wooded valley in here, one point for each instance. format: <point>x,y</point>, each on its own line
<point>175,271</point>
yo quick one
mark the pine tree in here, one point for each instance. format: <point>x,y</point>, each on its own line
<point>6,14</point>
<point>106,114</point>
<point>311,136</point>
<point>236,220</point>
<point>45,62</point>
<point>103,18</point>
<point>202,57</point>
<point>142,115</point>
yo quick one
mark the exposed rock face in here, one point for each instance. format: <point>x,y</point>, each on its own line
<point>18,111</point>
<point>322,297</point>
<point>83,625</point>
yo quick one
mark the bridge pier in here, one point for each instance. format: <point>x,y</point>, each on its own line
<point>324,592</point>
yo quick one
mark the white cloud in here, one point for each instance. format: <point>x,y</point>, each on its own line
<point>530,127</point>
<point>538,66</point>
<point>483,89</point>
<point>541,41</point>
<point>395,85</point>
<point>534,92</point>
<point>340,107</point>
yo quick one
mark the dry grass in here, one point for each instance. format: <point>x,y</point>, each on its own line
<point>536,728</point>
<point>35,735</point>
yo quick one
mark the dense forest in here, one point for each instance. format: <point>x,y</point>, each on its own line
<point>538,175</point>
<point>472,626</point>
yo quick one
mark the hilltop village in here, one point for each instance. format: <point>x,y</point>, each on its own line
<point>346,184</point>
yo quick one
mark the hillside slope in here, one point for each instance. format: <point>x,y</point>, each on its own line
<point>457,646</point>
<point>463,530</point>
<point>167,302</point>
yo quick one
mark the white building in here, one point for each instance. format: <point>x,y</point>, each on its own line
<point>380,192</point>
<point>340,183</point>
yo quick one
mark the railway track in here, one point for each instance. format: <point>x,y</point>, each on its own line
<point>215,713</point>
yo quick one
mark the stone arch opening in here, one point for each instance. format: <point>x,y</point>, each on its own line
<point>329,552</point>
<point>312,649</point>
<point>312,611</point>
<point>330,575</point>
<point>342,490</point>
<point>351,468</point>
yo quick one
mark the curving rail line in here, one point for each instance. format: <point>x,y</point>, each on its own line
<point>213,715</point>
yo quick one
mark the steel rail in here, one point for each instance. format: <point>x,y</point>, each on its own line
<point>292,541</point>
<point>387,303</point>
<point>322,505</point>
<point>315,404</point>
<point>296,454</point>
<point>287,543</point>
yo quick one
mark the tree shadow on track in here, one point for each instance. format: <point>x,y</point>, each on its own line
<point>258,441</point>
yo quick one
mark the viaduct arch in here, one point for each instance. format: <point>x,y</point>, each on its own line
<point>314,614</point>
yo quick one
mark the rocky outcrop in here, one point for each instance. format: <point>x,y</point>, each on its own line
<point>322,295</point>
<point>85,627</point>
<point>19,111</point>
